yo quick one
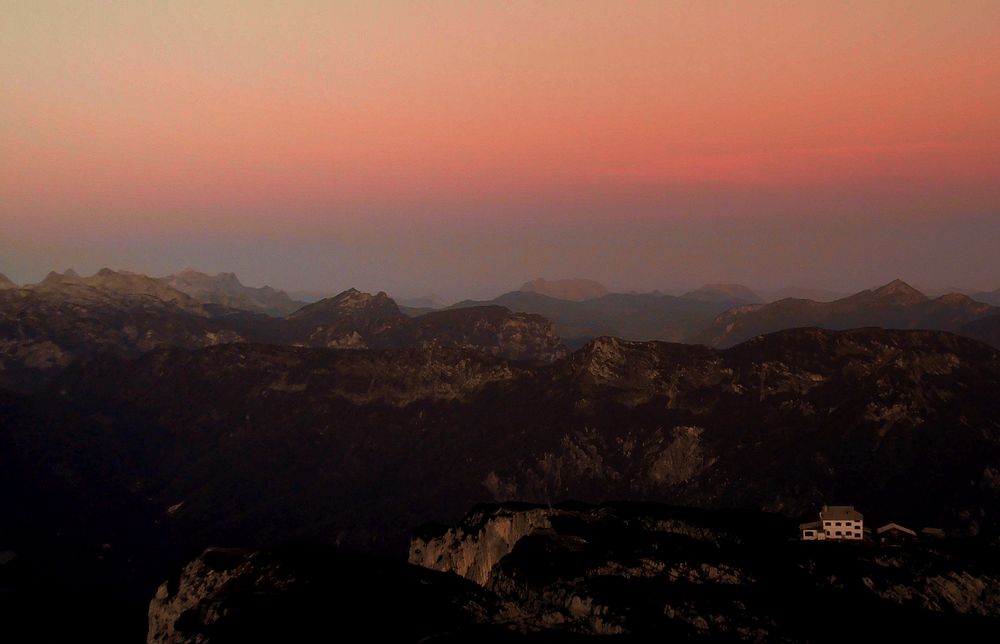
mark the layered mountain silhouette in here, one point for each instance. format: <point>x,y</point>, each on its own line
<point>48,326</point>
<point>5,283</point>
<point>896,305</point>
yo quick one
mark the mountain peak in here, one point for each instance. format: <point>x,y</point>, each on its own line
<point>352,302</point>
<point>55,278</point>
<point>899,292</point>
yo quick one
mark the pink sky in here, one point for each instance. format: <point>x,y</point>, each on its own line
<point>302,118</point>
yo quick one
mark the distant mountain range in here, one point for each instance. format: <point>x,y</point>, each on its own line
<point>896,305</point>
<point>568,289</point>
<point>46,327</point>
<point>725,314</point>
<point>226,290</point>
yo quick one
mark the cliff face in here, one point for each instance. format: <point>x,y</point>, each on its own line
<point>474,547</point>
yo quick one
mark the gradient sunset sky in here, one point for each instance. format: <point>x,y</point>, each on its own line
<point>462,148</point>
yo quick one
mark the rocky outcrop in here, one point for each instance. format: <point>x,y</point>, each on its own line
<point>307,593</point>
<point>193,598</point>
<point>484,537</point>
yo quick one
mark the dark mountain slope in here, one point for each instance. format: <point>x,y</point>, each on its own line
<point>985,329</point>
<point>357,446</point>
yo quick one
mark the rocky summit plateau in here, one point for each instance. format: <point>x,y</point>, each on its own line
<point>575,572</point>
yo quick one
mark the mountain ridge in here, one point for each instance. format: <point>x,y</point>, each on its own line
<point>893,305</point>
<point>226,290</point>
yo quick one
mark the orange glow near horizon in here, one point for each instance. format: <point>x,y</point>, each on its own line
<point>338,110</point>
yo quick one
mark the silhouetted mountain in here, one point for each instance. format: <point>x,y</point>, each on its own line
<point>626,315</point>
<point>725,294</point>
<point>569,289</point>
<point>5,283</point>
<point>895,305</point>
<point>351,319</point>
<point>226,290</point>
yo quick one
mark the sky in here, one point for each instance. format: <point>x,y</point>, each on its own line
<point>462,148</point>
